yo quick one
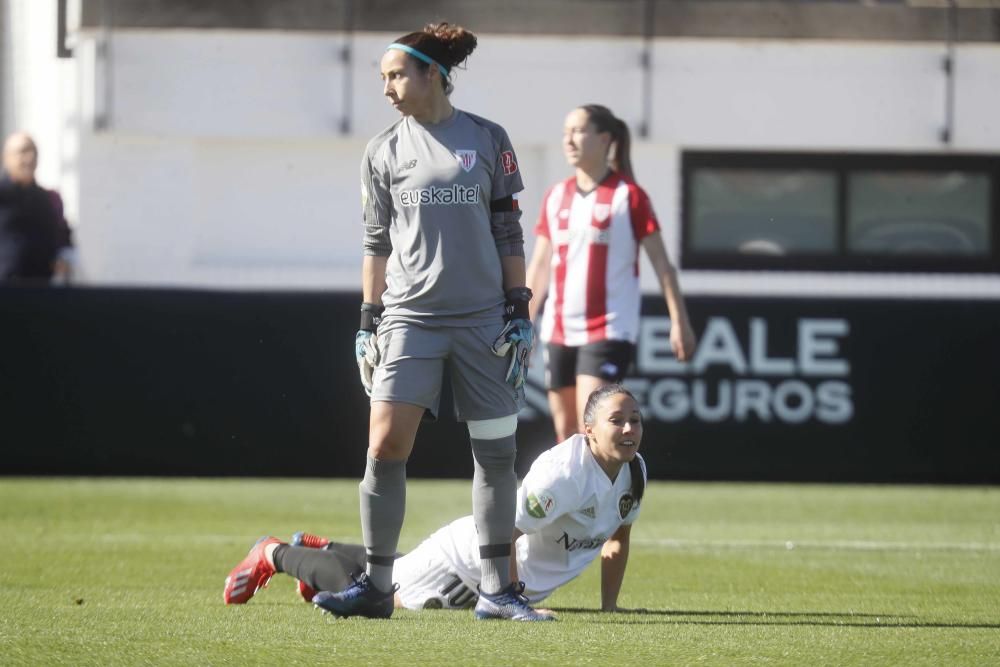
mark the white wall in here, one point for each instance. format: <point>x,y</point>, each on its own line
<point>223,165</point>
<point>40,93</point>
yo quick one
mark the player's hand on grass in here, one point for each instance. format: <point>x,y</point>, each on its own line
<point>624,610</point>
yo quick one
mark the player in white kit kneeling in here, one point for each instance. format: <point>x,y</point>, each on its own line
<point>578,500</point>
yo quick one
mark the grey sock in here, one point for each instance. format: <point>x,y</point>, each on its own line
<point>383,504</point>
<point>326,569</point>
<point>494,504</point>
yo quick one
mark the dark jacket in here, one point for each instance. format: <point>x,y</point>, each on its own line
<point>32,230</point>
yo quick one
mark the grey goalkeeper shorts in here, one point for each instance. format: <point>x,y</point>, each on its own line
<point>415,357</point>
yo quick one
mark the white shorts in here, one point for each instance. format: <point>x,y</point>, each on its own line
<point>427,581</point>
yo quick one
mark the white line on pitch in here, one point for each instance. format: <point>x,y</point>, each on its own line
<point>830,545</point>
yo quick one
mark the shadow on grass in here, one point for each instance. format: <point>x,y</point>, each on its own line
<point>817,618</point>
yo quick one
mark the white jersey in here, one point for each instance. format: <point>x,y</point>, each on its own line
<point>594,274</point>
<point>567,509</point>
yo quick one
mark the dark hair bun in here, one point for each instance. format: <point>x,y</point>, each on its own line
<point>457,42</point>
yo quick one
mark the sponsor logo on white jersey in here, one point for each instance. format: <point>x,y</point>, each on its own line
<point>456,195</point>
<point>573,544</point>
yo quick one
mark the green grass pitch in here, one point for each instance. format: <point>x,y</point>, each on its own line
<point>130,571</point>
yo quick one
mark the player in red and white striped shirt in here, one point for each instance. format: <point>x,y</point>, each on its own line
<point>586,261</point>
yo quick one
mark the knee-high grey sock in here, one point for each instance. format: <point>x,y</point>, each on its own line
<point>494,503</point>
<point>383,504</point>
<point>326,569</point>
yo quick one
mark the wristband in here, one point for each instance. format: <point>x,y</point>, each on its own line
<point>516,305</point>
<point>371,315</point>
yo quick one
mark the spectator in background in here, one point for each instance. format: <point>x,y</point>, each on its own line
<point>35,240</point>
<point>589,233</point>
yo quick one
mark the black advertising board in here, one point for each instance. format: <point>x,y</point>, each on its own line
<point>168,382</point>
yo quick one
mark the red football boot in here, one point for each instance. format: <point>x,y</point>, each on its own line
<point>303,539</point>
<point>251,574</point>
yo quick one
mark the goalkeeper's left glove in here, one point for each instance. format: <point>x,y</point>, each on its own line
<point>517,337</point>
<point>366,344</point>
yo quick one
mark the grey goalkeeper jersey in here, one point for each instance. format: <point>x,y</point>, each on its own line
<point>426,193</point>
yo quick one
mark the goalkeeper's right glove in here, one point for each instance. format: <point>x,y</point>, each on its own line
<point>366,344</point>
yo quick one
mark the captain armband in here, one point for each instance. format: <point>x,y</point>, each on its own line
<point>507,203</point>
<point>505,225</point>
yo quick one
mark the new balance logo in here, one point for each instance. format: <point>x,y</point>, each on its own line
<point>408,165</point>
<point>589,511</point>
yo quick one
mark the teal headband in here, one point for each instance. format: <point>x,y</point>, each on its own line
<point>419,56</point>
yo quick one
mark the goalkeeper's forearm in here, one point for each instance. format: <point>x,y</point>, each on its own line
<point>514,273</point>
<point>373,278</point>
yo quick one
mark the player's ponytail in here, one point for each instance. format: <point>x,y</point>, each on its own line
<point>621,159</point>
<point>445,43</point>
<point>635,469</point>
<point>635,466</point>
<point>619,155</point>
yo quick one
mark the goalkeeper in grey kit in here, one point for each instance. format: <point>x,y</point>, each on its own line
<point>443,284</point>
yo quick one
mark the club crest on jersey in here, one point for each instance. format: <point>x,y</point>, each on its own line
<point>625,504</point>
<point>540,504</point>
<point>509,165</point>
<point>466,158</point>
<point>602,212</point>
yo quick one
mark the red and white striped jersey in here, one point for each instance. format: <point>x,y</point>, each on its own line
<point>594,280</point>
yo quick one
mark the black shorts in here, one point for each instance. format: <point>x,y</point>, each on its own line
<point>606,359</point>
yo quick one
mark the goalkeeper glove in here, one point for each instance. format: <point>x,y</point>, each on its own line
<point>517,336</point>
<point>366,344</point>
